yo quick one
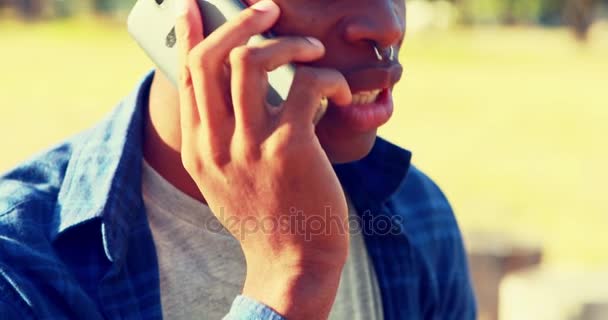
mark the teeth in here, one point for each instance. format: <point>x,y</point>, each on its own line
<point>365,97</point>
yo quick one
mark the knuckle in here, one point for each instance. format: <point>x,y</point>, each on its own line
<point>237,55</point>
<point>185,78</point>
<point>194,61</point>
<point>192,165</point>
<point>244,56</point>
<point>196,58</point>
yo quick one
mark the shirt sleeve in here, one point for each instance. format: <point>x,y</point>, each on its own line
<point>458,299</point>
<point>245,308</point>
<point>442,247</point>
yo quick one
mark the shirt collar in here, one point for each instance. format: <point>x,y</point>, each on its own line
<point>377,176</point>
<point>103,178</point>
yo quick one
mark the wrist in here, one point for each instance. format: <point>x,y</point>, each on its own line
<point>305,291</point>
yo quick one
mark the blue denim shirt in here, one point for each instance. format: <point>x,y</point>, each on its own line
<point>75,242</point>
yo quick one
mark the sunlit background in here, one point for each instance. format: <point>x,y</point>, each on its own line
<point>504,103</point>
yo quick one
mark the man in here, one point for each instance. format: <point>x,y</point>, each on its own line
<point>123,220</point>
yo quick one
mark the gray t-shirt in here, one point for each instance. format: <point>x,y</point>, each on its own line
<point>202,267</point>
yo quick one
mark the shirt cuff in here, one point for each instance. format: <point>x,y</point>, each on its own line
<point>245,308</point>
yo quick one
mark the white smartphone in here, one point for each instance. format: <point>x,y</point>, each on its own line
<point>152,24</point>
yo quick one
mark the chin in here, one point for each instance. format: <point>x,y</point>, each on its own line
<point>344,149</point>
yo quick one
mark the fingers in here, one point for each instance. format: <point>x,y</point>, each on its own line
<point>207,61</point>
<point>309,87</point>
<point>276,52</point>
<point>188,25</point>
<point>206,89</point>
<point>189,32</point>
<point>249,79</point>
<point>255,20</point>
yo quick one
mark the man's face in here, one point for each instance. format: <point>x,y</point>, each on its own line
<point>349,29</point>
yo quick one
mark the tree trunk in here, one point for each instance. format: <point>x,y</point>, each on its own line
<point>30,9</point>
<point>508,16</point>
<point>579,16</point>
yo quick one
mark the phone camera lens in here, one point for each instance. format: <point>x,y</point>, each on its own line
<point>171,39</point>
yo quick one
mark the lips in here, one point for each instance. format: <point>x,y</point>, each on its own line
<point>372,103</point>
<point>373,78</point>
<point>363,117</point>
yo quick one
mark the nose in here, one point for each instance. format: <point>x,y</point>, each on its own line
<point>382,22</point>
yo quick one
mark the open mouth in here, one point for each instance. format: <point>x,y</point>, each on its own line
<point>367,111</point>
<point>369,84</point>
<point>365,97</point>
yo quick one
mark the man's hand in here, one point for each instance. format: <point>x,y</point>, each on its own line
<point>262,167</point>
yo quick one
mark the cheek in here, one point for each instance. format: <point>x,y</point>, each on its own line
<point>303,17</point>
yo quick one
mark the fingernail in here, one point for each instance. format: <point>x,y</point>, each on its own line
<point>315,42</point>
<point>321,111</point>
<point>264,6</point>
<point>181,8</point>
